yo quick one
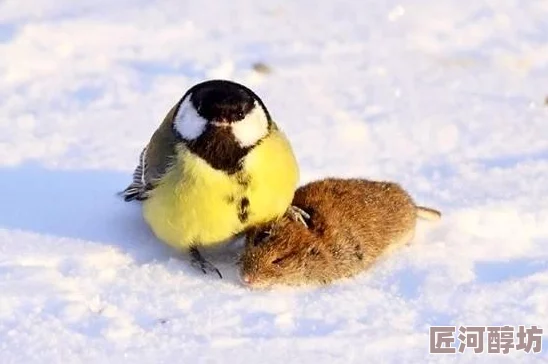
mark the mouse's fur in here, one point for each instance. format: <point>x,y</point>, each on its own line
<point>352,222</point>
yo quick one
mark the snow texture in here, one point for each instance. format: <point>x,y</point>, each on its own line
<point>446,97</point>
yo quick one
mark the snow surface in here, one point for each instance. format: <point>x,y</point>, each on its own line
<point>446,97</point>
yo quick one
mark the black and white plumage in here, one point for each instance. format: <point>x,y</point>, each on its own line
<point>137,189</point>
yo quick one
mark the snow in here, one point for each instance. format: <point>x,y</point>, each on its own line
<point>446,97</point>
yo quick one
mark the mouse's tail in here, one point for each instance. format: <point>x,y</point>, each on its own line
<point>428,213</point>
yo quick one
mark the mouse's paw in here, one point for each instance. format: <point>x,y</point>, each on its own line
<point>298,214</point>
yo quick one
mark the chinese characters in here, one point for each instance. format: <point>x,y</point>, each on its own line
<point>490,339</point>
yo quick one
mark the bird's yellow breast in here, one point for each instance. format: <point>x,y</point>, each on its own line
<point>195,204</point>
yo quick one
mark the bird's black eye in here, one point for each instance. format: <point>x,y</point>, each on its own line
<point>261,237</point>
<point>240,115</point>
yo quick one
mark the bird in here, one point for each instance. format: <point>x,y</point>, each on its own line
<point>216,166</point>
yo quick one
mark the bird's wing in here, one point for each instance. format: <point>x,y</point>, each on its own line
<point>154,161</point>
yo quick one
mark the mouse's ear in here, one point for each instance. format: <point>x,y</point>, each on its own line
<point>254,233</point>
<point>261,236</point>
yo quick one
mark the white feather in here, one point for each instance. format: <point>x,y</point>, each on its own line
<point>187,121</point>
<point>252,128</point>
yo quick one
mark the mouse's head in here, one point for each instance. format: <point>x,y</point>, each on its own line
<point>283,252</point>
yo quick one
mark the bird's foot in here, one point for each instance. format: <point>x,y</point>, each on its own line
<point>299,215</point>
<point>199,262</point>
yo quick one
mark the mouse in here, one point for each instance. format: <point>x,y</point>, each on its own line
<point>350,223</point>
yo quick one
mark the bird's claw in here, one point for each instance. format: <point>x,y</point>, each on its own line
<point>200,263</point>
<point>299,215</point>
<point>206,267</point>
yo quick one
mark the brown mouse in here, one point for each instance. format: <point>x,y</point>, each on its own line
<point>351,223</point>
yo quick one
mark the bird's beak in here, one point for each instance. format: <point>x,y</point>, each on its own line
<point>221,124</point>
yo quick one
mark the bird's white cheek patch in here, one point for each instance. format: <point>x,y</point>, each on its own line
<point>252,128</point>
<point>187,121</point>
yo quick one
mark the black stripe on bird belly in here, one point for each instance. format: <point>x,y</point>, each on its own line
<point>243,210</point>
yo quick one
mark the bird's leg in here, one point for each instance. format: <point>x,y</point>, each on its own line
<point>298,214</point>
<point>199,262</point>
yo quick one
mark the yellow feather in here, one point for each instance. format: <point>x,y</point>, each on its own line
<point>195,204</point>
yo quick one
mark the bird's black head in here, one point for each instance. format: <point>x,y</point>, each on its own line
<point>221,121</point>
<point>222,101</point>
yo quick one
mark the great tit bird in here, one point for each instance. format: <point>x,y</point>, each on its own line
<point>217,165</point>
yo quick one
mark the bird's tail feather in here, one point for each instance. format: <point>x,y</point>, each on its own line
<point>133,192</point>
